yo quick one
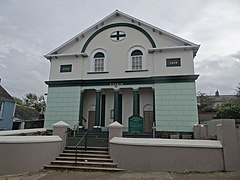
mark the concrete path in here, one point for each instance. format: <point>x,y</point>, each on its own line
<point>73,175</point>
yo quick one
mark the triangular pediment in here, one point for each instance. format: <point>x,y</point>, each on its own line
<point>154,34</point>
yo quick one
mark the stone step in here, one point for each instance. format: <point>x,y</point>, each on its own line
<point>85,155</point>
<point>84,164</point>
<point>80,168</point>
<point>86,158</point>
<point>93,142</point>
<point>85,151</point>
<point>88,148</point>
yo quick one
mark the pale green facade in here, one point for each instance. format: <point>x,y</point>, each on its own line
<point>62,105</point>
<point>176,106</point>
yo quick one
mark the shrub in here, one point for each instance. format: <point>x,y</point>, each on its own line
<point>229,112</point>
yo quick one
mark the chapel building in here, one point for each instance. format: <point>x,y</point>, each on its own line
<point>126,70</point>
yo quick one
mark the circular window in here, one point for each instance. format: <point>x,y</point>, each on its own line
<point>117,35</point>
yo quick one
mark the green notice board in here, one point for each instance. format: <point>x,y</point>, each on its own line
<point>135,123</point>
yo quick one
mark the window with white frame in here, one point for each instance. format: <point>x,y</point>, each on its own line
<point>1,109</point>
<point>99,62</point>
<point>137,58</point>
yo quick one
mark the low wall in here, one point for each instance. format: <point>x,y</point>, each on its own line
<point>139,154</point>
<point>22,131</point>
<point>27,153</point>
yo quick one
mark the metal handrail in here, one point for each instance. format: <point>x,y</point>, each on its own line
<point>84,119</point>
<point>76,147</point>
<point>76,126</point>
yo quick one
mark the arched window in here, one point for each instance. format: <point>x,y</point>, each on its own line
<point>99,62</point>
<point>137,59</point>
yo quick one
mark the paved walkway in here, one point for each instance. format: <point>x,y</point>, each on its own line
<point>73,175</point>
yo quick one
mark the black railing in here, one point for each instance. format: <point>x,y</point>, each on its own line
<point>85,145</point>
<point>76,126</point>
<point>84,119</point>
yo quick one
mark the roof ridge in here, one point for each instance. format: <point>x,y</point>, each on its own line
<point>118,12</point>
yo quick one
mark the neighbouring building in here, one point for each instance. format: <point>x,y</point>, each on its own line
<point>217,101</point>
<point>27,118</point>
<point>126,70</point>
<point>221,100</point>
<point>7,108</point>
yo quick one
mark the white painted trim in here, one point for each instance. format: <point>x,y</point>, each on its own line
<point>101,23</point>
<point>22,131</point>
<point>144,58</point>
<point>92,60</point>
<point>96,126</point>
<point>151,50</point>
<point>156,28</point>
<point>148,107</point>
<point>66,55</point>
<point>167,142</point>
<point>1,109</point>
<point>28,139</point>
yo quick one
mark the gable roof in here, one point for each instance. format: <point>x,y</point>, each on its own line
<point>4,95</point>
<point>133,20</point>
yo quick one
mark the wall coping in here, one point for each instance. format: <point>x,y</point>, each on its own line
<point>115,124</point>
<point>22,131</point>
<point>28,139</point>
<point>61,124</point>
<point>167,142</point>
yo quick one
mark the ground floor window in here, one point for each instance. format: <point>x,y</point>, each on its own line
<point>1,109</point>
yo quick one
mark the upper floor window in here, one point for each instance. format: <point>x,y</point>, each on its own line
<point>136,59</point>
<point>99,62</point>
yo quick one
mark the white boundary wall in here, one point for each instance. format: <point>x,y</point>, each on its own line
<point>167,154</point>
<point>27,153</point>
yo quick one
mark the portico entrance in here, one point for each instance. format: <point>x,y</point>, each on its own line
<point>103,106</point>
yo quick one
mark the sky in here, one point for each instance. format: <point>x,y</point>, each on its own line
<point>30,29</point>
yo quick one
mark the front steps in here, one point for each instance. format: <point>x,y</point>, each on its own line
<point>94,139</point>
<point>92,159</point>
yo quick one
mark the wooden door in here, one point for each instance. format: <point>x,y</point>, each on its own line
<point>148,121</point>
<point>91,119</point>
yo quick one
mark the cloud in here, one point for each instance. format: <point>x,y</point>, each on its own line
<point>29,29</point>
<point>236,55</point>
<point>218,73</point>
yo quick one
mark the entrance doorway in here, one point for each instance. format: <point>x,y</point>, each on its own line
<point>91,117</point>
<point>148,118</point>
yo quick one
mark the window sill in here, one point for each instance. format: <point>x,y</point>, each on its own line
<point>173,66</point>
<point>137,70</point>
<point>97,72</point>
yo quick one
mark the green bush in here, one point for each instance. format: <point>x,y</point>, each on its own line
<point>229,112</point>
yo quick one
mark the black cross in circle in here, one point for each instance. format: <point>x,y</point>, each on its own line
<point>117,35</point>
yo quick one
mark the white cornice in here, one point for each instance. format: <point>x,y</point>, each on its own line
<point>65,55</point>
<point>194,48</point>
<point>132,19</point>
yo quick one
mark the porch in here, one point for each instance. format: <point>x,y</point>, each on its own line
<point>101,107</point>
